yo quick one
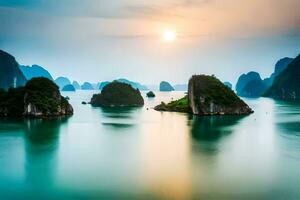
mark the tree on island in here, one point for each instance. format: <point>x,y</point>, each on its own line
<point>39,98</point>
<point>118,94</point>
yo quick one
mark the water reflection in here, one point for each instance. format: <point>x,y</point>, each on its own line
<point>41,144</point>
<point>10,125</point>
<point>288,128</point>
<point>165,154</point>
<point>43,132</point>
<point>291,128</point>
<point>119,109</point>
<point>119,117</point>
<point>118,125</point>
<point>206,131</point>
<point>119,112</point>
<point>212,128</point>
<point>112,153</point>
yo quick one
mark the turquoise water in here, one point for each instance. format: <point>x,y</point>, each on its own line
<point>144,154</point>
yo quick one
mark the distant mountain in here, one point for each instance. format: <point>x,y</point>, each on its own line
<point>286,86</point>
<point>35,71</point>
<point>69,88</point>
<point>165,87</point>
<point>244,79</point>
<point>181,87</point>
<point>76,85</point>
<point>135,85</point>
<point>62,81</point>
<point>103,84</point>
<point>10,73</point>
<point>254,88</point>
<point>279,67</point>
<point>96,86</point>
<point>87,86</point>
<point>228,84</point>
<point>250,85</point>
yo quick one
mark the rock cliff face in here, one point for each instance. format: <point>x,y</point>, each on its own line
<point>10,74</point>
<point>286,85</point>
<point>208,96</point>
<point>39,98</point>
<point>118,94</point>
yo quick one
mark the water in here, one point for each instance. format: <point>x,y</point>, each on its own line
<point>144,154</point>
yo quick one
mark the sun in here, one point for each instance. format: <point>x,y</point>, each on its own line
<point>169,36</point>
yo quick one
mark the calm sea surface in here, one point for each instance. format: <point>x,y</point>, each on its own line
<point>144,154</point>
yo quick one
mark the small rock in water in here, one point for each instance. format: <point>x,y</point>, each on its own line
<point>150,94</point>
<point>84,103</point>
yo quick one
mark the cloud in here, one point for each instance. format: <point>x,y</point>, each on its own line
<point>123,37</point>
<point>104,8</point>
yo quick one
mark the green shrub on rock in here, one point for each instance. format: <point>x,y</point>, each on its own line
<point>39,98</point>
<point>118,94</point>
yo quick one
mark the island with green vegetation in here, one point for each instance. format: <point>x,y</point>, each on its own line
<point>180,105</point>
<point>207,95</point>
<point>117,94</point>
<point>39,98</point>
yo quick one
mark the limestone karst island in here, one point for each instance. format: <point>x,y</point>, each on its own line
<point>149,100</point>
<point>207,96</point>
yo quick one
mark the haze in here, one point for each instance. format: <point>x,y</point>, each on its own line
<point>99,40</point>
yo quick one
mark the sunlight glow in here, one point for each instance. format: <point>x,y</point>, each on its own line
<point>169,36</point>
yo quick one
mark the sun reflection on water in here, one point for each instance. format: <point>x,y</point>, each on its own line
<point>165,148</point>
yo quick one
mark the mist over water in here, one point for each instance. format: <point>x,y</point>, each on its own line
<point>141,153</point>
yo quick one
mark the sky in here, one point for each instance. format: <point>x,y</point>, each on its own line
<point>98,40</point>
